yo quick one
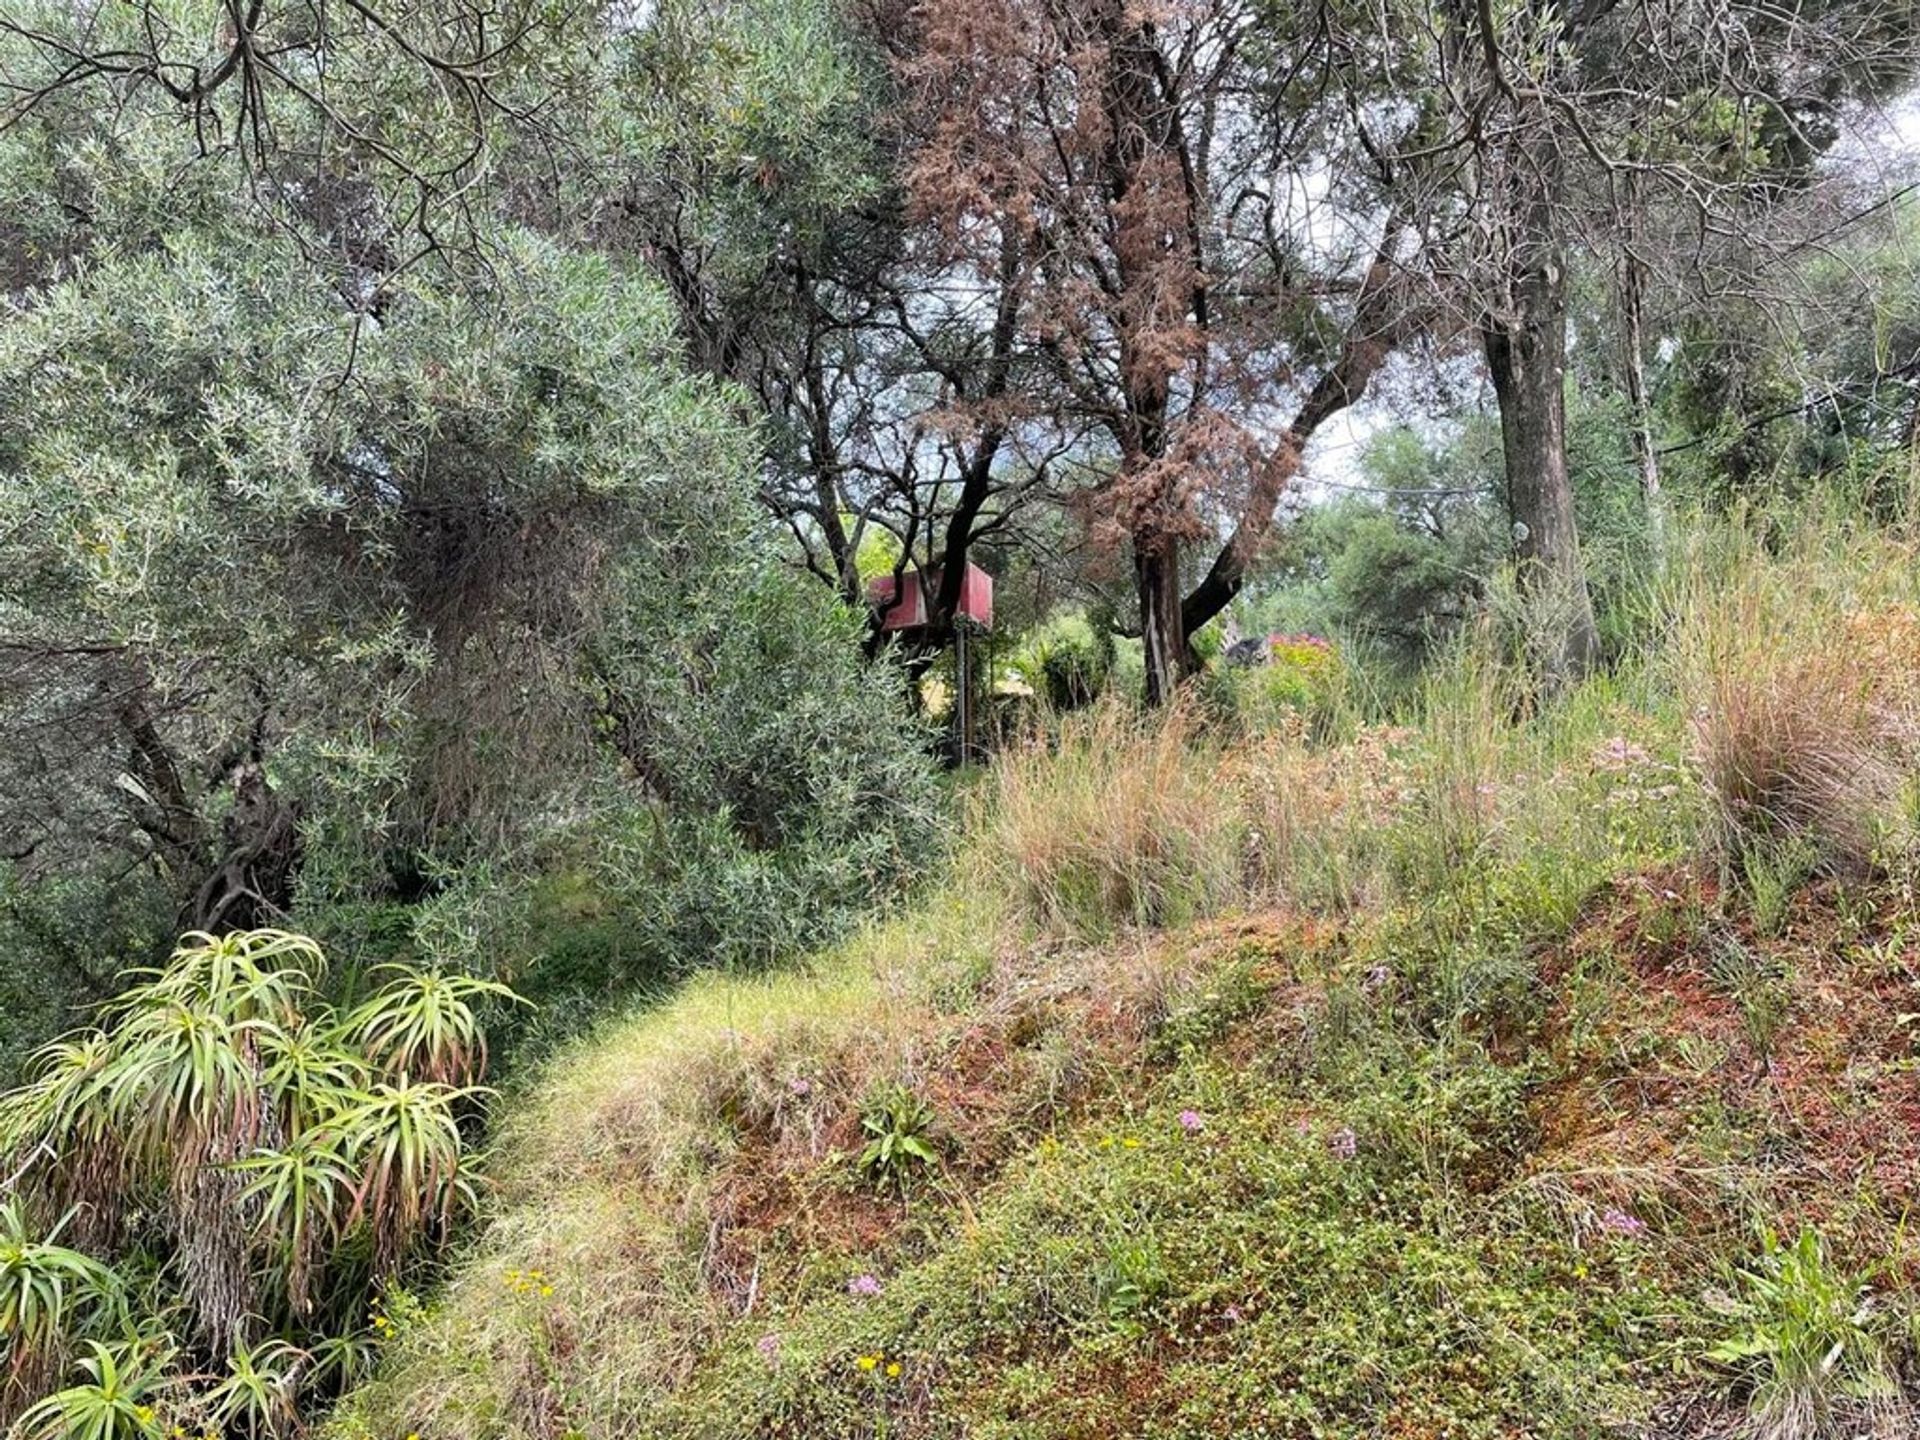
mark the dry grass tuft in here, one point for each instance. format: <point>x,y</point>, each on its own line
<point>1118,819</point>
<point>1804,710</point>
<point>1126,821</point>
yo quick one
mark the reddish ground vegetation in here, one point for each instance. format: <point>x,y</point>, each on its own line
<point>1675,1089</point>
<point>992,1075</point>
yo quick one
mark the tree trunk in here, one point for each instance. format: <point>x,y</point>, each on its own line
<point>1526,352</point>
<point>1163,639</point>
<point>1633,339</point>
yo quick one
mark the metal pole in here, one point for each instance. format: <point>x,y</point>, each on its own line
<point>964,692</point>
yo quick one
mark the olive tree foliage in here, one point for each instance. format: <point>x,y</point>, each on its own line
<point>381,131</point>
<point>245,565</point>
<point>322,554</point>
<point>723,714</point>
<point>1398,563</point>
<point>774,203</point>
<point>747,150</point>
<point>1757,405</point>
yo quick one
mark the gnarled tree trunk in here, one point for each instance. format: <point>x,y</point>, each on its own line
<point>1163,636</point>
<point>1526,350</point>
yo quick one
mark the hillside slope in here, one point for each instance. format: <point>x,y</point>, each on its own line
<point>1564,1141</point>
<point>1223,1182</point>
<point>1529,1070</point>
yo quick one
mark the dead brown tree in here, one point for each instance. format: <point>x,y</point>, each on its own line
<point>1196,304</point>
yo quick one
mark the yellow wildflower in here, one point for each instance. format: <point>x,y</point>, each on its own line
<point>867,1362</point>
<point>893,1371</point>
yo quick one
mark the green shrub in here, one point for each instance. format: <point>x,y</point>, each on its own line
<point>1299,680</point>
<point>764,788</point>
<point>1067,661</point>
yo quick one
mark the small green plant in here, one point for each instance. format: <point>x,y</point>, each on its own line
<point>1132,1281</point>
<point>1205,1011</point>
<point>1807,1347</point>
<point>1673,921</point>
<point>899,1124</point>
<point>1773,875</point>
<point>1756,983</point>
<point>1068,661</point>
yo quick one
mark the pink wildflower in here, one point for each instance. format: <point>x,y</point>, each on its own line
<point>1620,1222</point>
<point>1620,754</point>
<point>1191,1122</point>
<point>865,1286</point>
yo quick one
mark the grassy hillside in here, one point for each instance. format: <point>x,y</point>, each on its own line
<point>1524,1069</point>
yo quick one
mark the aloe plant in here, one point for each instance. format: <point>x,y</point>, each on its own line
<point>256,1396</point>
<point>403,1141</point>
<point>422,1023</point>
<point>262,1146</point>
<point>47,1292</point>
<point>114,1403</point>
<point>298,1194</point>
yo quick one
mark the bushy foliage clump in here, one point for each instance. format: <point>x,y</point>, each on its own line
<point>362,602</point>
<point>1402,567</point>
<point>1068,661</point>
<point>1293,680</point>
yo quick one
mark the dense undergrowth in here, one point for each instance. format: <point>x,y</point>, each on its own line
<point>1526,1067</point>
